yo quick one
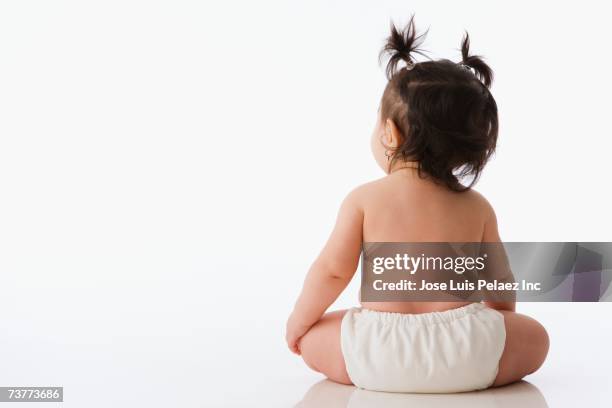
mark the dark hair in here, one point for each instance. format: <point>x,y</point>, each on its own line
<point>444,110</point>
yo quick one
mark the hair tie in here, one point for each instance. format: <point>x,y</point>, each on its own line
<point>465,66</point>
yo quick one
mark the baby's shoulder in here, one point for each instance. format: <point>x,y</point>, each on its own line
<point>477,198</point>
<point>479,203</point>
<point>382,190</point>
<point>363,193</point>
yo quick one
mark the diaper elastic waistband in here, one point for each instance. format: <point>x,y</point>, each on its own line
<point>446,316</point>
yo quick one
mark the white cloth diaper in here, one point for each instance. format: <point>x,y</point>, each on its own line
<point>440,352</point>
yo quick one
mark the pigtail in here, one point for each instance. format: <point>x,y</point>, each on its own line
<point>401,45</point>
<point>482,71</point>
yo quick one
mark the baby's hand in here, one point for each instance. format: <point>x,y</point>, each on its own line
<point>295,331</point>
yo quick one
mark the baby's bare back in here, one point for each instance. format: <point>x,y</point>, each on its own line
<point>405,208</point>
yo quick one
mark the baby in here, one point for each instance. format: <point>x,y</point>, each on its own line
<point>437,125</point>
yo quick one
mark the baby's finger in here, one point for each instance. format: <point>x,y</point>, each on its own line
<point>293,347</point>
<point>296,349</point>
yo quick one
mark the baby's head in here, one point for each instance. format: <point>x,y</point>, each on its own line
<point>436,115</point>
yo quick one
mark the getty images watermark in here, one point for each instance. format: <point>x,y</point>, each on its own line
<point>469,271</point>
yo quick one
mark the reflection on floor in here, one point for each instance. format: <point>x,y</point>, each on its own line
<point>327,394</point>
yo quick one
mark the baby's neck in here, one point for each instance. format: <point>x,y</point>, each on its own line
<point>403,166</point>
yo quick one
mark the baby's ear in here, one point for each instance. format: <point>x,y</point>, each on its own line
<point>393,135</point>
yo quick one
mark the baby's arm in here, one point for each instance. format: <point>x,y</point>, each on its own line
<point>331,271</point>
<point>491,234</point>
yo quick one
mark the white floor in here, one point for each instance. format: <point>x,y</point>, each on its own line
<point>328,394</point>
<point>168,345</point>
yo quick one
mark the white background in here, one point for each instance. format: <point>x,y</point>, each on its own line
<point>169,169</point>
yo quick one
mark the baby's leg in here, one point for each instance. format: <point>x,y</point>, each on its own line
<point>321,350</point>
<point>525,350</point>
